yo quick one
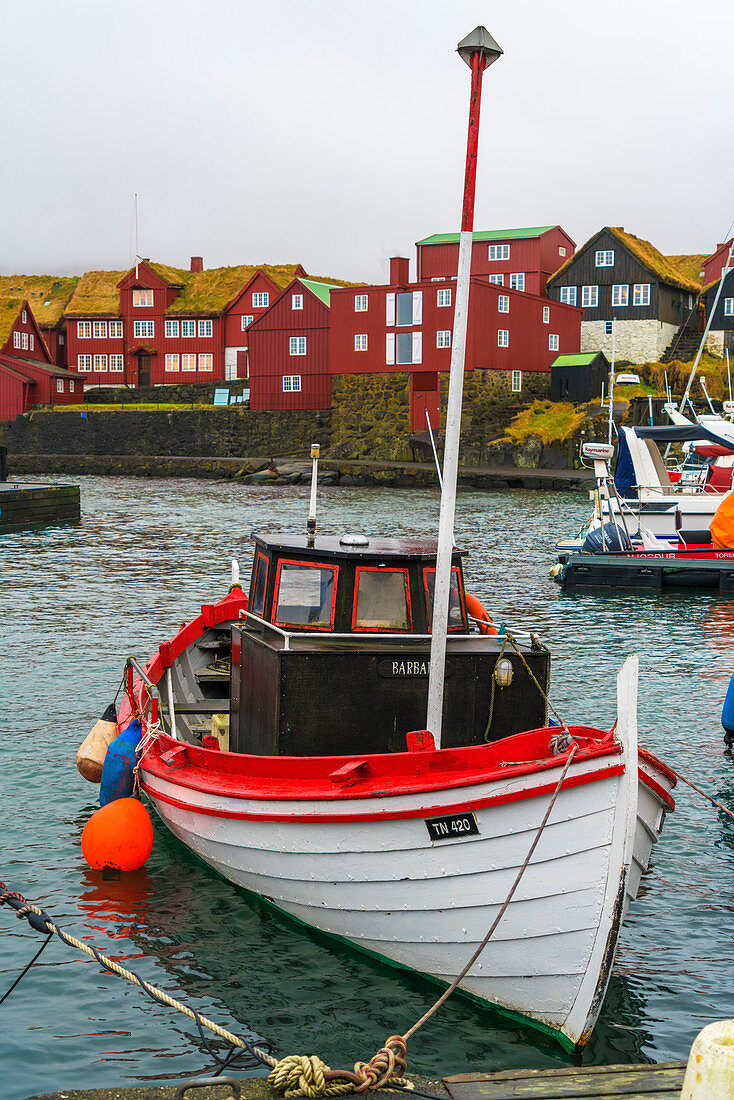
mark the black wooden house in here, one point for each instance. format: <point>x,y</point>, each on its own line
<point>580,376</point>
<point>617,277</point>
<point>721,333</point>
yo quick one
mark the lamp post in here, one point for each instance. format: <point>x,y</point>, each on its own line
<point>478,50</point>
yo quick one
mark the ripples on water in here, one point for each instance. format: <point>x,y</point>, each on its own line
<point>76,600</point>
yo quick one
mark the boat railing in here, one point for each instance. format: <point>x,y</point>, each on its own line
<point>307,639</point>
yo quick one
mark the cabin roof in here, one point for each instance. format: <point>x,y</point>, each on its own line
<point>490,235</point>
<point>376,549</point>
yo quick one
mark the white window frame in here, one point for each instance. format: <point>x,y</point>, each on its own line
<point>498,252</point>
<point>296,301</point>
<point>604,258</point>
<point>291,383</point>
<point>188,330</point>
<point>173,361</point>
<point>390,349</point>
<point>24,340</point>
<point>246,320</point>
<point>16,339</point>
<point>206,361</point>
<point>115,330</point>
<point>561,250</point>
<point>516,381</point>
<point>553,341</point>
<point>641,294</point>
<point>84,363</point>
<point>590,297</point>
<point>390,308</point>
<point>142,297</point>
<point>99,330</point>
<point>117,363</point>
<point>497,280</point>
<point>143,330</point>
<point>206,328</point>
<point>171,330</point>
<point>260,299</point>
<point>503,303</point>
<point>360,341</point>
<point>59,385</point>
<point>443,338</point>
<point>188,362</point>
<point>31,341</point>
<point>729,307</point>
<point>361,302</point>
<point>84,330</point>
<point>24,316</point>
<point>100,363</point>
<point>546,315</point>
<point>296,345</point>
<point>503,338</point>
<point>568,295</point>
<point>517,280</point>
<point>443,297</point>
<point>620,295</point>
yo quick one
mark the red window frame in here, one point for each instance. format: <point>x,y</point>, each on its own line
<point>305,565</point>
<point>454,569</point>
<point>381,629</point>
<point>263,557</point>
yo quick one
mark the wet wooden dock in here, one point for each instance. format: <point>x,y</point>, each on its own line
<point>37,505</point>
<point>633,1082</point>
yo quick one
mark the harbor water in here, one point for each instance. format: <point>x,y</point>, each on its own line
<point>75,601</point>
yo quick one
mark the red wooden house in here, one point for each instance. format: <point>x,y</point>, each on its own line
<point>289,349</point>
<point>47,296</point>
<point>408,327</point>
<point>27,375</point>
<point>714,265</point>
<point>519,259</point>
<point>156,324</point>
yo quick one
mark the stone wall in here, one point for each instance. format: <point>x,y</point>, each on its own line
<point>186,393</point>
<point>641,341</point>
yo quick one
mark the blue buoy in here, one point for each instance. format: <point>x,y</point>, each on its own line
<point>727,714</point>
<point>117,772</point>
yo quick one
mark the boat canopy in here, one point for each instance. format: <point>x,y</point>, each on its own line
<point>683,433</point>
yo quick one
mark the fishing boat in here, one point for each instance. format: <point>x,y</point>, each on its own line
<point>354,741</point>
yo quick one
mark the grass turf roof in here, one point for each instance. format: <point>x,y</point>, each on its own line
<point>489,235</point>
<point>9,310</point>
<point>47,295</point>
<point>646,253</point>
<point>96,292</point>
<point>691,266</point>
<point>212,290</point>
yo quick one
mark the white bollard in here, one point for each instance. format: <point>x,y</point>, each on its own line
<point>710,1069</point>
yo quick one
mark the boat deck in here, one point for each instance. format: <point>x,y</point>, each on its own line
<point>632,1082</point>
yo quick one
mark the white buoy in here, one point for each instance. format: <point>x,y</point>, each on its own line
<point>710,1069</point>
<point>93,749</point>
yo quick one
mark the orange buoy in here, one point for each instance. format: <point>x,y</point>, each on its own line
<point>93,749</point>
<point>119,835</point>
<point>479,612</point>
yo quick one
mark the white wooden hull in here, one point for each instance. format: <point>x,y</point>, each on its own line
<point>385,887</point>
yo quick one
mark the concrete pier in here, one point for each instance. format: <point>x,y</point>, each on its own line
<point>37,505</point>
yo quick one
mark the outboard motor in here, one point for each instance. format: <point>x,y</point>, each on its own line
<point>606,540</point>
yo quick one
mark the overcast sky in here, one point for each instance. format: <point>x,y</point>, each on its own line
<point>332,133</point>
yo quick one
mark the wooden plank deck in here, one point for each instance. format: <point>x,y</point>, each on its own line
<point>633,1082</point>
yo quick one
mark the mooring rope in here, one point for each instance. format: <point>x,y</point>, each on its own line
<point>713,801</point>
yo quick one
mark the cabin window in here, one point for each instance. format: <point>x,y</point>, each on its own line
<point>503,303</point>
<point>259,584</point>
<point>142,297</point>
<point>641,294</point>
<point>117,363</point>
<point>457,609</point>
<point>589,297</point>
<point>443,338</point>
<point>172,329</point>
<point>443,297</point>
<point>503,338</point>
<point>604,259</point>
<point>381,599</point>
<point>553,341</point>
<point>568,295</point>
<point>499,252</point>
<point>305,595</point>
<point>100,330</point>
<point>188,328</point>
<point>116,330</point>
<point>729,307</point>
<point>498,280</point>
<point>620,294</point>
<point>517,280</point>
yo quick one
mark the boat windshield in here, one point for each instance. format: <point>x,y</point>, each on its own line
<point>382,599</point>
<point>305,595</point>
<point>457,618</point>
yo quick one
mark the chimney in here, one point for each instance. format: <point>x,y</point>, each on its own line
<point>399,271</point>
<point>197,263</point>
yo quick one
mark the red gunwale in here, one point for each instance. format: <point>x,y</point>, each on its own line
<point>294,778</point>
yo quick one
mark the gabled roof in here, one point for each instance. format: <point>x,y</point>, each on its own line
<point>646,253</point>
<point>491,235</point>
<point>47,295</point>
<point>577,359</point>
<point>9,310</point>
<point>212,290</point>
<point>321,290</point>
<point>96,292</point>
<point>19,364</point>
<point>690,266</point>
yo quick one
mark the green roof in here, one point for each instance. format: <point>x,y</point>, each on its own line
<point>321,290</point>
<point>96,292</point>
<point>575,359</point>
<point>489,235</point>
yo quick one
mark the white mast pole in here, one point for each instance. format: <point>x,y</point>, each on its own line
<point>478,50</point>
<point>611,379</point>
<point>137,249</point>
<point>709,320</point>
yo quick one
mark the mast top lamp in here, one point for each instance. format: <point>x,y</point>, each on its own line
<point>479,41</point>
